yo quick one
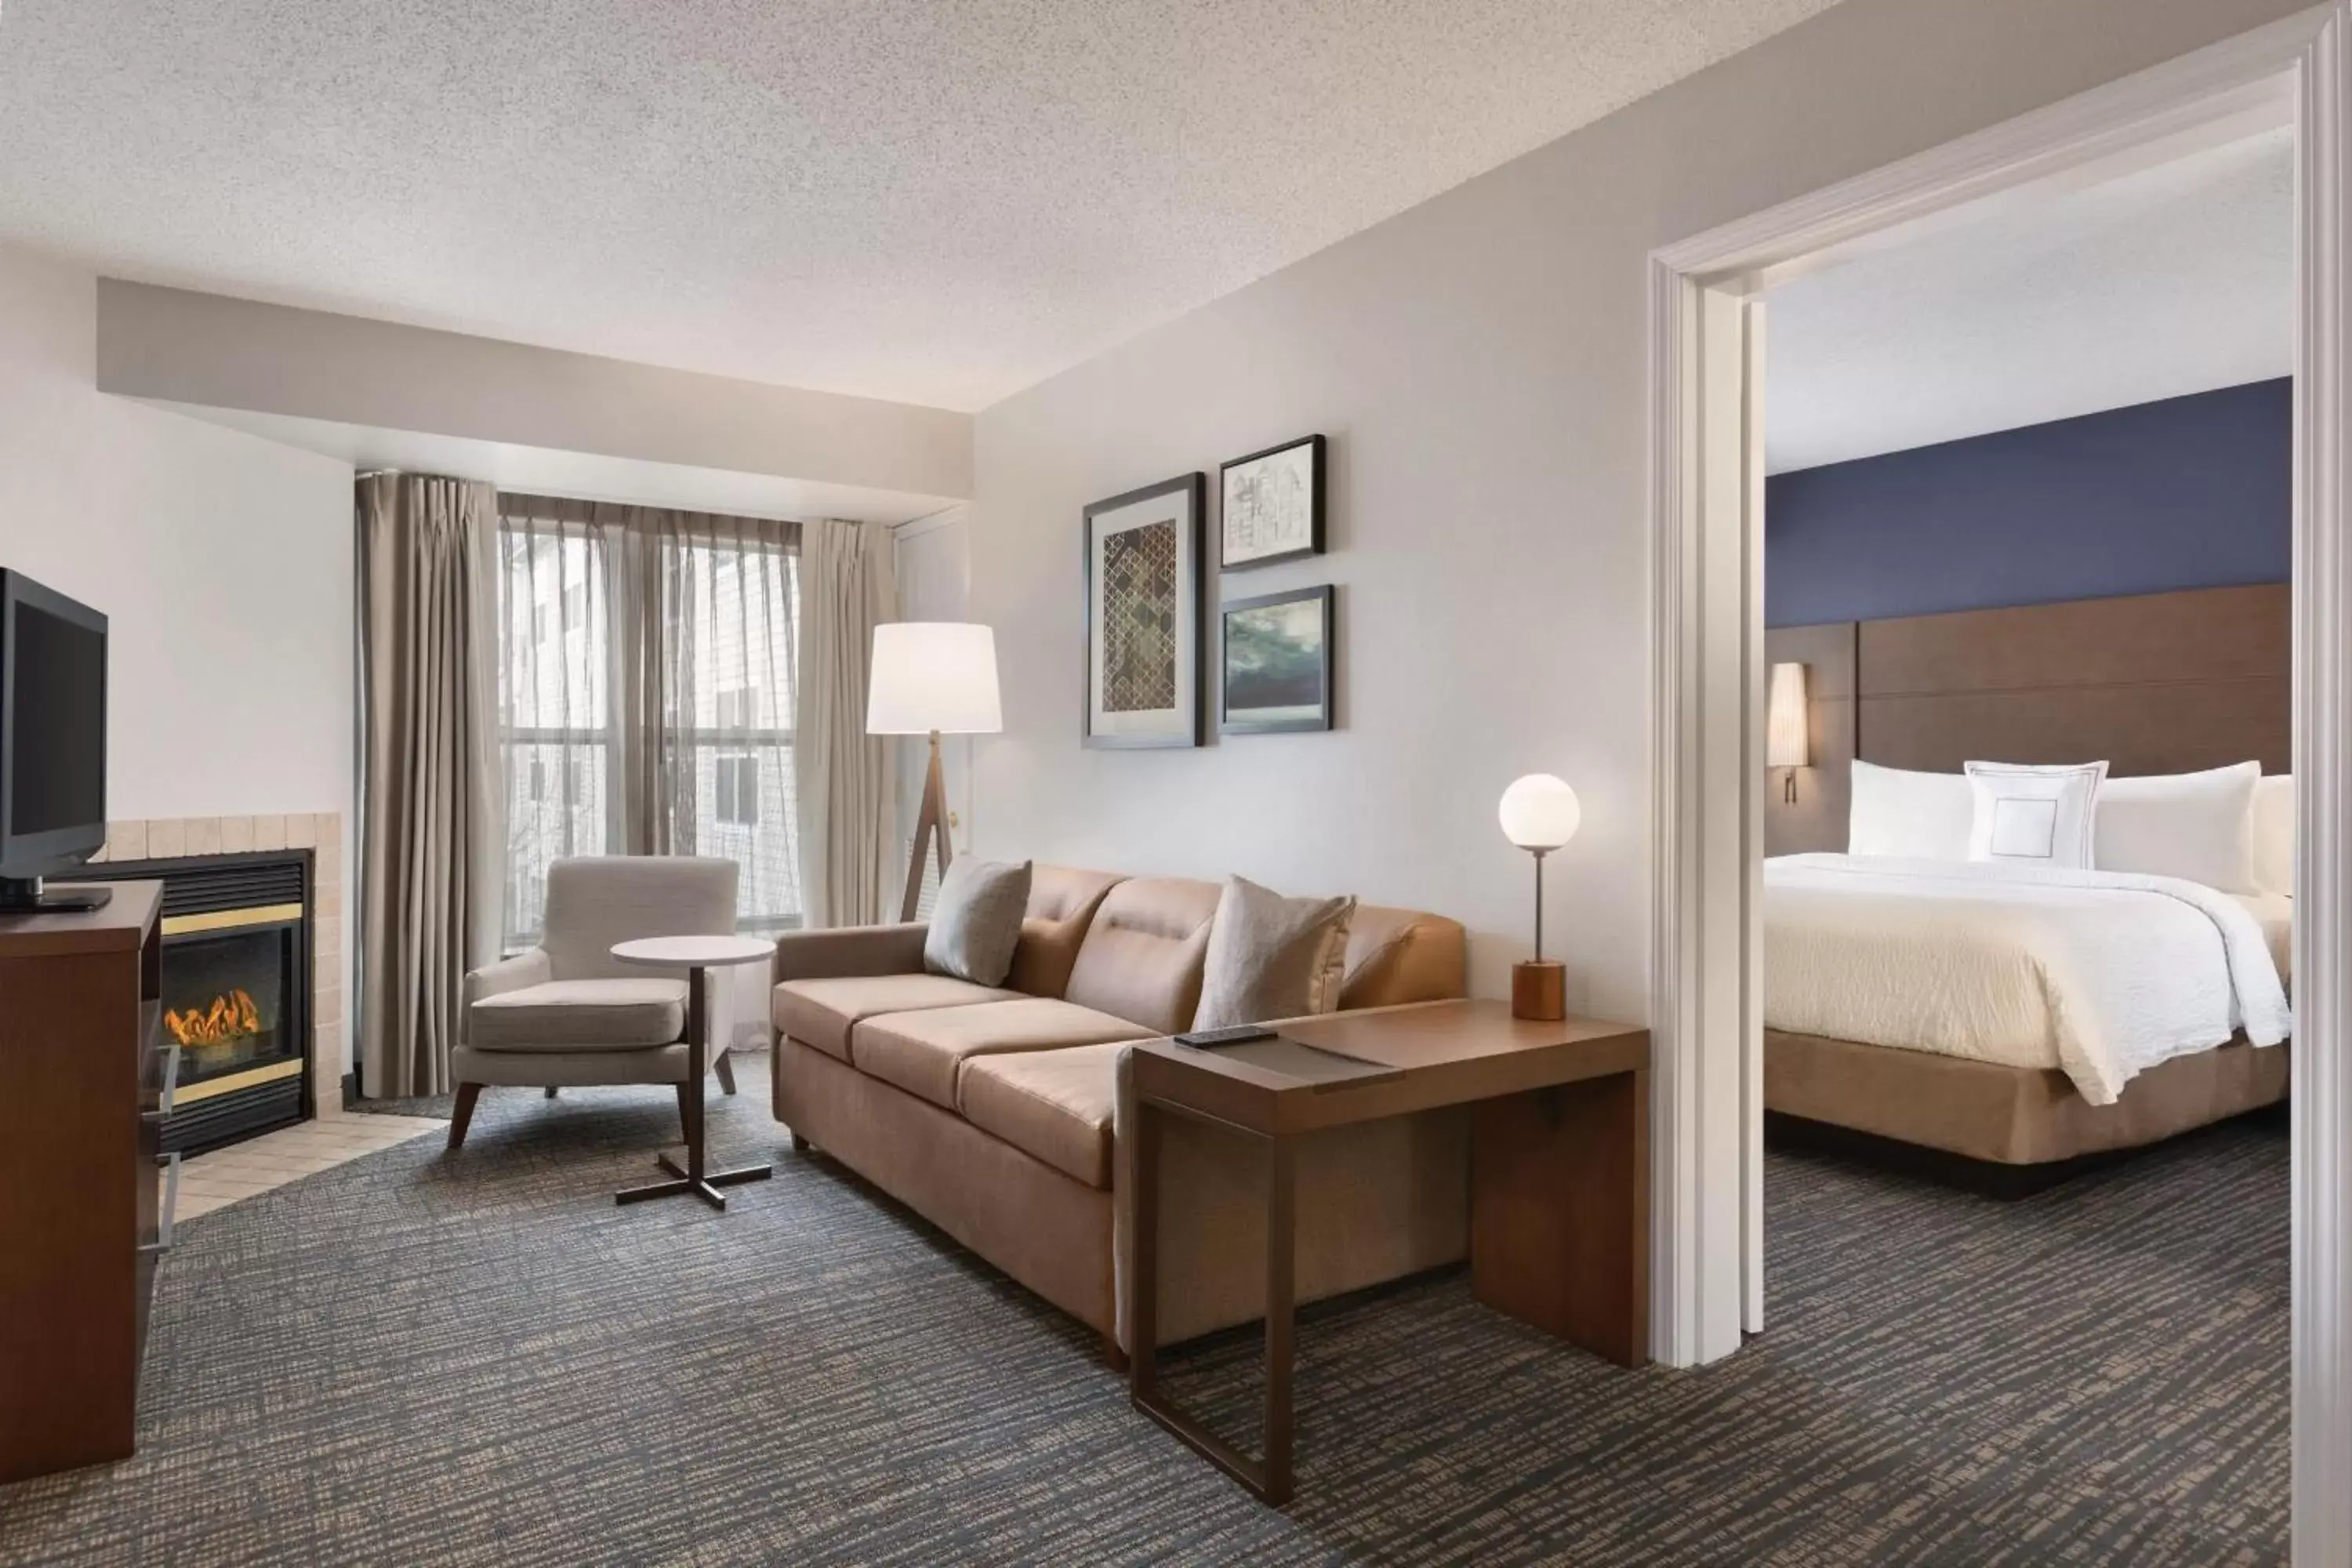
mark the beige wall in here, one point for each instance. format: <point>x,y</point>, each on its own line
<point>177,530</point>
<point>1480,366</point>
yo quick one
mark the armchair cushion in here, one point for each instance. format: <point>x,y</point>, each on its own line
<point>580,1015</point>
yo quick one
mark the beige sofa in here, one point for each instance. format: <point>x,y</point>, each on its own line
<point>993,1111</point>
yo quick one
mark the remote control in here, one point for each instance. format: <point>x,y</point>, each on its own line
<point>1237,1034</point>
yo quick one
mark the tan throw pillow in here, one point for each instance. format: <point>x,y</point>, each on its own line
<point>1272,957</point>
<point>976,920</point>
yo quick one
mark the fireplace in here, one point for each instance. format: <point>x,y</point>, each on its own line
<point>237,932</point>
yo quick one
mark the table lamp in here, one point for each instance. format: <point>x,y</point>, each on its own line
<point>933,677</point>
<point>1788,740</point>
<point>1539,814</point>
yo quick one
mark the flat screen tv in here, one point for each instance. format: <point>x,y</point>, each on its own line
<point>52,744</point>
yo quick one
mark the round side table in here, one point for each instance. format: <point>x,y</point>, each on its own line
<point>696,955</point>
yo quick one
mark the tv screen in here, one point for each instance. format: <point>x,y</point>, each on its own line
<point>52,731</point>
<point>56,764</point>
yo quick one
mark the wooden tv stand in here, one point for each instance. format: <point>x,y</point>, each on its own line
<point>81,1219</point>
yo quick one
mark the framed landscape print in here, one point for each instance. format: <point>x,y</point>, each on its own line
<point>1143,616</point>
<point>1274,663</point>
<point>1270,506</point>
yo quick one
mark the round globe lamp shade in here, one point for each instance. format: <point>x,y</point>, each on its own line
<point>933,675</point>
<point>1540,812</point>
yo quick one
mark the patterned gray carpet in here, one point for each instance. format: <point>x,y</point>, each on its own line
<point>416,1358</point>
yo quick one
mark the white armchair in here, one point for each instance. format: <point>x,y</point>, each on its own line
<point>567,1013</point>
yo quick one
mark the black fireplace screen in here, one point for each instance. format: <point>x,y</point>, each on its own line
<point>226,1001</point>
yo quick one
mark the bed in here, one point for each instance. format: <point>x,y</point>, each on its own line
<point>2004,1026</point>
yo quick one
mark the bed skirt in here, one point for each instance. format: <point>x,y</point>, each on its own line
<point>2005,1115</point>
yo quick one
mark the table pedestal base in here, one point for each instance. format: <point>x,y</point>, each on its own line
<point>706,1186</point>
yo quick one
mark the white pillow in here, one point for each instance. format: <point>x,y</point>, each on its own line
<point>2273,822</point>
<point>2033,815</point>
<point>1916,816</point>
<point>2199,826</point>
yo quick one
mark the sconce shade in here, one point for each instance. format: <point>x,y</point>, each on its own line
<point>1788,743</point>
<point>1540,812</point>
<point>933,675</point>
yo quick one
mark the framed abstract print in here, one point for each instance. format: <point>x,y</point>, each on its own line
<point>1270,505</point>
<point>1274,662</point>
<point>1143,616</point>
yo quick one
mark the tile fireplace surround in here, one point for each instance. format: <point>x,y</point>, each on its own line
<point>168,838</point>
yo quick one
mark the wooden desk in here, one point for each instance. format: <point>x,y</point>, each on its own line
<point>1559,1178</point>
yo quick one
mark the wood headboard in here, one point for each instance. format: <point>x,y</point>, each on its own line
<point>2155,683</point>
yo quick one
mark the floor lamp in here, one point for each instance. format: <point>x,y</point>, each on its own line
<point>932,678</point>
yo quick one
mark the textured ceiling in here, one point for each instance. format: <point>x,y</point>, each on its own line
<point>937,201</point>
<point>2174,279</point>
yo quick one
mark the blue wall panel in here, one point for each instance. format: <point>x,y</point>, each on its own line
<point>2190,492</point>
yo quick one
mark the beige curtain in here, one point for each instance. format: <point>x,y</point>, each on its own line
<point>428,806</point>
<point>848,829</point>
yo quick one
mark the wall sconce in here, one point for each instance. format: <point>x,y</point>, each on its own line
<point>1787,739</point>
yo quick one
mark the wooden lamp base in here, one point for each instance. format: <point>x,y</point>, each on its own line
<point>1539,990</point>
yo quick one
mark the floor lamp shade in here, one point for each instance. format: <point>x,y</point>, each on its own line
<point>933,676</point>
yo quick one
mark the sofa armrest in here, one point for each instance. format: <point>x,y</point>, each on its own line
<point>850,950</point>
<point>532,967</point>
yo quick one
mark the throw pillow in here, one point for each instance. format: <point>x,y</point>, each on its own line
<point>2034,815</point>
<point>1272,957</point>
<point>976,920</point>
<point>2199,826</point>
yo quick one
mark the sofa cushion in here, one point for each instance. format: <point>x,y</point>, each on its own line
<point>1062,904</point>
<point>580,1015</point>
<point>1141,957</point>
<point>1055,1105</point>
<point>820,1013</point>
<point>976,920</point>
<point>1395,956</point>
<point>922,1053</point>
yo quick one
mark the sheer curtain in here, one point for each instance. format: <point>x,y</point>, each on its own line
<point>648,701</point>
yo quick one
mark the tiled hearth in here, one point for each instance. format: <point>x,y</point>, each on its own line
<point>169,838</point>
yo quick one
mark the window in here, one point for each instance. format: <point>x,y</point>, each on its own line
<point>722,672</point>
<point>738,791</point>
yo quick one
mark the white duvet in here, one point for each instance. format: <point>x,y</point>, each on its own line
<point>2098,973</point>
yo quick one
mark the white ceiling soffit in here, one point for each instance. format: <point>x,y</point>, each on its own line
<point>543,471</point>
<point>2168,280</point>
<point>925,201</point>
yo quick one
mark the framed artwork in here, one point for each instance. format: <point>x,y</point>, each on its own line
<point>1270,506</point>
<point>1275,663</point>
<point>1143,616</point>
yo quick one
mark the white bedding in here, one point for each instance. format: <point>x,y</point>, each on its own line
<point>2098,973</point>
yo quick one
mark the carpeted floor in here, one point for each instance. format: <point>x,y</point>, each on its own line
<point>417,1359</point>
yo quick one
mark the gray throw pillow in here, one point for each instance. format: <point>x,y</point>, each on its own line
<point>976,920</point>
<point>1271,957</point>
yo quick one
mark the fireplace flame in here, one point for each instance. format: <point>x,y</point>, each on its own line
<point>230,1017</point>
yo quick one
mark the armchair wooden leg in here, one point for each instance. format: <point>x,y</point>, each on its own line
<point>725,1068</point>
<point>462,1113</point>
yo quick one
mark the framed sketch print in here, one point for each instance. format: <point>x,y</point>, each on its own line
<point>1143,616</point>
<point>1274,663</point>
<point>1270,506</point>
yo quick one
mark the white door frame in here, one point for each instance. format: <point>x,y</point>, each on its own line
<point>1707,642</point>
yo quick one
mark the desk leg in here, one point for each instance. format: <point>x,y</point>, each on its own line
<point>1269,1478</point>
<point>1559,1211</point>
<point>1281,1309</point>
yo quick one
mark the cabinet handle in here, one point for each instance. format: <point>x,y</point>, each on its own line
<point>170,1204</point>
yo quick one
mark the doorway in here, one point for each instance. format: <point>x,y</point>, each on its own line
<point>1708,348</point>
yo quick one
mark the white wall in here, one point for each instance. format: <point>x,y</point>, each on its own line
<point>1480,366</point>
<point>222,561</point>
